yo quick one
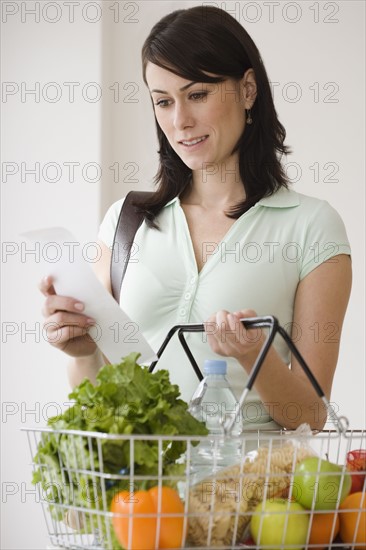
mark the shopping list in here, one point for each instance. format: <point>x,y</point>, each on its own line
<point>70,264</point>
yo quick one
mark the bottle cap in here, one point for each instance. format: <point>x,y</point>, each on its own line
<point>214,366</point>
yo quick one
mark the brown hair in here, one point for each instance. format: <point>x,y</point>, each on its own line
<point>205,39</point>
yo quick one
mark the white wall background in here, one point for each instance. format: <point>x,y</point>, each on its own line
<point>314,54</point>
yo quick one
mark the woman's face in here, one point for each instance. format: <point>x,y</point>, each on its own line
<point>202,121</point>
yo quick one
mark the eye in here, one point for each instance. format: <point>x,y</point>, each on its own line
<point>197,96</point>
<point>162,103</point>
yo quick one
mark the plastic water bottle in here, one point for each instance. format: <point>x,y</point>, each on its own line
<point>214,403</point>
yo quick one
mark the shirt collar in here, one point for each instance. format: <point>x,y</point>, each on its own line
<point>283,198</point>
<point>171,202</point>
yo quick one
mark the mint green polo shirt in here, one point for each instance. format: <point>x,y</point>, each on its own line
<point>257,265</point>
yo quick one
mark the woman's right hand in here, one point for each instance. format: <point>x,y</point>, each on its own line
<point>65,326</point>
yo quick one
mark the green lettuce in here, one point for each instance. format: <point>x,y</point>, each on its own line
<point>126,399</point>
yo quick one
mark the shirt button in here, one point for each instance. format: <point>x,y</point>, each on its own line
<point>193,280</point>
<point>182,311</point>
<point>187,295</point>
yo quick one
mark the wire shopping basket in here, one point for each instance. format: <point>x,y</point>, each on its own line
<point>254,499</point>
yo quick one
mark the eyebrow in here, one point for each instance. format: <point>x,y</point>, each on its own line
<point>185,87</point>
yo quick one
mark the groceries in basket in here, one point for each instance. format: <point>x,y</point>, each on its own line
<point>148,531</point>
<point>213,403</point>
<point>221,505</point>
<point>125,400</point>
<point>352,517</point>
<point>123,464</point>
<point>264,496</point>
<point>319,484</point>
<point>356,462</point>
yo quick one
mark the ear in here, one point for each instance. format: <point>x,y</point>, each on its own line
<point>249,88</point>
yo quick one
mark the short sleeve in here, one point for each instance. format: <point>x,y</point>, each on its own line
<point>108,226</point>
<point>326,237</point>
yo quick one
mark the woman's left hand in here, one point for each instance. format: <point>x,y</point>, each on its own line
<point>227,336</point>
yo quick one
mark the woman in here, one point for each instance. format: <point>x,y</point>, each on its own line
<point>223,236</point>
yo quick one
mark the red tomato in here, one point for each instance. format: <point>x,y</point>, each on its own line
<point>356,462</point>
<point>143,531</point>
<point>171,528</point>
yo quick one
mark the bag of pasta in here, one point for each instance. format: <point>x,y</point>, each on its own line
<point>220,505</point>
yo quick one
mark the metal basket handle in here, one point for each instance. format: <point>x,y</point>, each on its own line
<point>341,422</point>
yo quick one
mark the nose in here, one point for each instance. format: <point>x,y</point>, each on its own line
<point>182,116</point>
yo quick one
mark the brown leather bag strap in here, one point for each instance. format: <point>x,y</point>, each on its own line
<point>128,223</point>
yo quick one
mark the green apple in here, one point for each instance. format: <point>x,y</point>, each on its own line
<point>279,522</point>
<point>319,481</point>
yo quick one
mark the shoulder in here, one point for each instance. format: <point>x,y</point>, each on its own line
<point>321,232</point>
<point>314,205</point>
<point>320,213</point>
<point>108,226</point>
<point>110,220</point>
<point>302,207</point>
<point>113,212</point>
<point>289,198</point>
<point>115,209</point>
<point>312,225</point>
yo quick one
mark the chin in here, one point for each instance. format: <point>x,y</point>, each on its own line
<point>199,164</point>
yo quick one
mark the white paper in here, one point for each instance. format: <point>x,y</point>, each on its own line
<point>69,263</point>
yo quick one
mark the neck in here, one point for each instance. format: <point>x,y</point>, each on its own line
<point>217,186</point>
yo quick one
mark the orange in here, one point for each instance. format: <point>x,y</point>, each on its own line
<point>143,507</point>
<point>139,506</point>
<point>171,528</point>
<point>349,519</point>
<point>321,531</point>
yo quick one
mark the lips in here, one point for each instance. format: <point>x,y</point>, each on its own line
<point>193,141</point>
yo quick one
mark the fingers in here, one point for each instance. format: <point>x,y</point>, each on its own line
<point>228,336</point>
<point>58,334</point>
<point>224,319</point>
<point>72,340</point>
<point>46,286</point>
<point>62,319</point>
<point>54,303</point>
<point>245,313</point>
<point>214,322</point>
<point>65,327</point>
